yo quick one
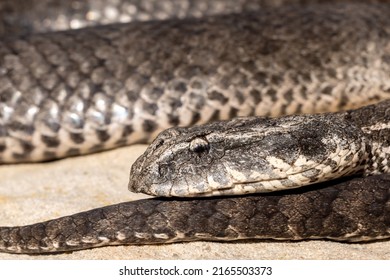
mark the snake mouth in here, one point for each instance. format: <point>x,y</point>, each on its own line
<point>305,177</point>
<point>264,186</point>
<point>238,183</point>
<point>236,186</point>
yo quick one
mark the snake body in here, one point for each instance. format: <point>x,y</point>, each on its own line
<point>355,210</point>
<point>75,92</point>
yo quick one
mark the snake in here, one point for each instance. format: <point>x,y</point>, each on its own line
<point>227,78</point>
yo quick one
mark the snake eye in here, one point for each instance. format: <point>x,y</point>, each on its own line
<point>199,145</point>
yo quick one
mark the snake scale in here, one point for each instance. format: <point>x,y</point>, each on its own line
<point>74,92</point>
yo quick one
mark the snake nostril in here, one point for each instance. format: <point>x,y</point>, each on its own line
<point>165,170</point>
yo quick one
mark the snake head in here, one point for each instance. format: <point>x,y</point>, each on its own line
<point>248,155</point>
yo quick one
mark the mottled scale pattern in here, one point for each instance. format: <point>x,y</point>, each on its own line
<point>77,92</point>
<point>375,123</point>
<point>38,16</point>
<point>355,210</point>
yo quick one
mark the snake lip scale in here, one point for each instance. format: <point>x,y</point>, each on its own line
<point>312,164</point>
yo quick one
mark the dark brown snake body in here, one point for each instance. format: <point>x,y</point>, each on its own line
<point>355,210</point>
<point>76,92</point>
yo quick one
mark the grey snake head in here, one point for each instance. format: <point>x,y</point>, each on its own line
<point>248,156</point>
